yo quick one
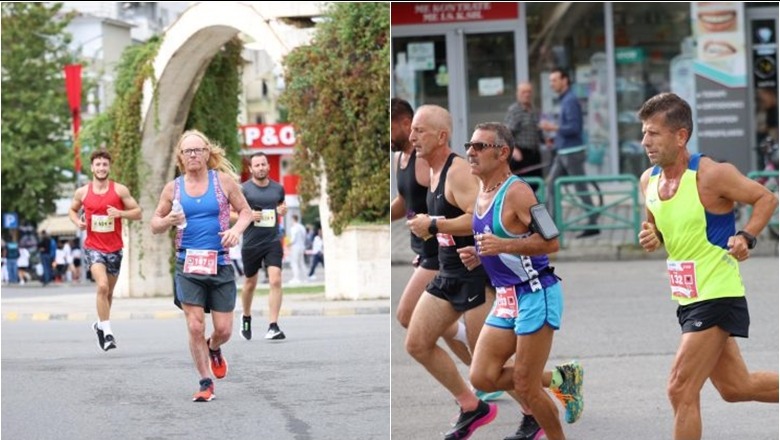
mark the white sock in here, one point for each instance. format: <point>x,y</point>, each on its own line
<point>461,334</point>
<point>106,327</point>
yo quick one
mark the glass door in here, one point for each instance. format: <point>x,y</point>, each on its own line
<point>420,73</point>
<point>490,77</point>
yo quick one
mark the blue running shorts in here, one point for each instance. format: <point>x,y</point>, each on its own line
<point>535,309</point>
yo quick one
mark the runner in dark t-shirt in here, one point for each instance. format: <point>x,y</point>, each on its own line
<point>262,244</point>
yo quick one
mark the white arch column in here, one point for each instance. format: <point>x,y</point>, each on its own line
<point>188,47</point>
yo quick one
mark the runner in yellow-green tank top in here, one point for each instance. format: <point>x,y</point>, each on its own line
<point>699,264</point>
<point>690,203</point>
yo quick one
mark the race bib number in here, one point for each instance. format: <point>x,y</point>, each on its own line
<point>445,239</point>
<point>267,218</point>
<point>102,223</point>
<point>200,262</point>
<point>506,303</point>
<point>682,278</point>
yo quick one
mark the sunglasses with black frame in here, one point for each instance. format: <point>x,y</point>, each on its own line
<point>479,146</point>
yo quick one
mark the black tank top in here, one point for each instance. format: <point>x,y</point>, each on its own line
<point>414,195</point>
<point>449,261</point>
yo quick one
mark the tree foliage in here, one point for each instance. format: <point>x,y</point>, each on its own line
<point>119,128</point>
<point>214,109</point>
<point>36,122</point>
<point>337,92</point>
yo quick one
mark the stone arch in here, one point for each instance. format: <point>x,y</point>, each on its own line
<point>187,48</point>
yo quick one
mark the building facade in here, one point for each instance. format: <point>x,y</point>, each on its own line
<point>720,57</point>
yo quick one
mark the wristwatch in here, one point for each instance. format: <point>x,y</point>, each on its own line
<point>432,228</point>
<point>751,239</point>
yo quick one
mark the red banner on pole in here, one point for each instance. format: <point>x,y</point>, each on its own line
<point>73,88</point>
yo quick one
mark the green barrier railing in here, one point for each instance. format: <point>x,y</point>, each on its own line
<point>612,199</point>
<point>771,184</point>
<point>541,187</point>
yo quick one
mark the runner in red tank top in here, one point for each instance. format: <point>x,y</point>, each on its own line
<point>105,204</point>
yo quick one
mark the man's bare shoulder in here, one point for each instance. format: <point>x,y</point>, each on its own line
<point>82,190</point>
<point>711,170</point>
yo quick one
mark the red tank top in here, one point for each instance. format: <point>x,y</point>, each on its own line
<point>104,234</point>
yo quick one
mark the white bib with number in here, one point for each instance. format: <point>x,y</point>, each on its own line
<point>202,262</point>
<point>102,223</point>
<point>267,218</point>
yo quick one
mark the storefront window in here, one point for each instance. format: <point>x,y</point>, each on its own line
<point>570,36</point>
<point>490,66</point>
<point>653,54</point>
<point>420,73</point>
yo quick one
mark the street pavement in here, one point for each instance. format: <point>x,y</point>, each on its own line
<point>330,379</point>
<point>620,323</point>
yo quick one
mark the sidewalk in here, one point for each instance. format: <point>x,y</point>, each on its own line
<point>77,303</point>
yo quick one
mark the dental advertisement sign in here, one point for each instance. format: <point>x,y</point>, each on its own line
<point>722,113</point>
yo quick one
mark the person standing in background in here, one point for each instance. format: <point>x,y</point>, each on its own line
<point>24,265</point>
<point>523,121</point>
<point>12,260</point>
<point>47,249</point>
<point>317,255</point>
<point>569,147</point>
<point>297,237</point>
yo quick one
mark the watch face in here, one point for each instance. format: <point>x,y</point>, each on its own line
<point>751,240</point>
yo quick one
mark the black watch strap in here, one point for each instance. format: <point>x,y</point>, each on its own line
<point>432,228</point>
<point>751,239</point>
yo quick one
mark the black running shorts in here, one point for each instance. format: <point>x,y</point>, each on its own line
<point>730,314</point>
<point>430,263</point>
<point>464,293</point>
<point>254,257</point>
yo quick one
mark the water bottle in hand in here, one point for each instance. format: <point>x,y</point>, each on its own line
<point>177,208</point>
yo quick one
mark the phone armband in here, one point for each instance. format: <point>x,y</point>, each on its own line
<point>542,223</point>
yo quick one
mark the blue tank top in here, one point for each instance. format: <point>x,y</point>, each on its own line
<point>207,216</point>
<point>526,273</point>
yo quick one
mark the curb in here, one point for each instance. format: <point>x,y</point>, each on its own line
<point>178,314</point>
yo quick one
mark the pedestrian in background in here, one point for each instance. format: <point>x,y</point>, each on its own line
<point>297,246</point>
<point>317,255</point>
<point>568,146</point>
<point>522,119</point>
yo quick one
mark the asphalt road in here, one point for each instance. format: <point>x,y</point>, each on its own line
<point>329,380</point>
<point>620,323</point>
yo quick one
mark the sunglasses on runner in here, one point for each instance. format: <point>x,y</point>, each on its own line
<point>479,146</point>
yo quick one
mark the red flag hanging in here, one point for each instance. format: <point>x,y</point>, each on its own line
<point>73,88</point>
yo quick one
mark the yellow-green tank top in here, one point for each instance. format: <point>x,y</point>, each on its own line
<point>700,267</point>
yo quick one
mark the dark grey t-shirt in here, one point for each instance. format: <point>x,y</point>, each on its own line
<point>264,199</point>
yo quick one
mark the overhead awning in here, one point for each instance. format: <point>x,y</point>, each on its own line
<point>58,226</point>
